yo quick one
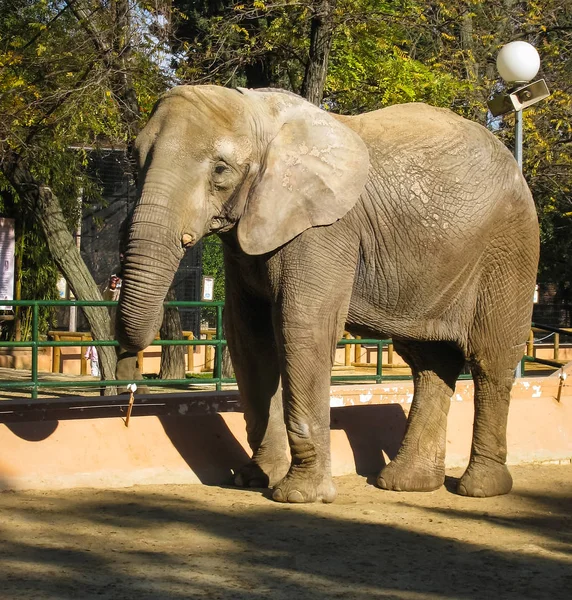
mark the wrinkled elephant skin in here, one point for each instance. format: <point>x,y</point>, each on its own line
<point>409,222</point>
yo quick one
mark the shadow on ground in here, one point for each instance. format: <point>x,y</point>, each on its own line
<point>198,542</point>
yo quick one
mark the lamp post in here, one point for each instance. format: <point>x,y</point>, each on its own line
<point>518,63</point>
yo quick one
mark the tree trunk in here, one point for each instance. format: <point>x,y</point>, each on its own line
<point>172,357</point>
<point>468,45</point>
<point>43,204</point>
<point>227,368</point>
<point>321,36</point>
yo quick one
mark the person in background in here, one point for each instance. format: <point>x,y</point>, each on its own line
<point>91,355</point>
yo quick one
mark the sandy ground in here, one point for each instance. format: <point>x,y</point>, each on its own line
<point>175,542</point>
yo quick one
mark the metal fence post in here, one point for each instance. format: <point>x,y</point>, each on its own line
<point>218,351</point>
<point>35,315</point>
<point>379,361</point>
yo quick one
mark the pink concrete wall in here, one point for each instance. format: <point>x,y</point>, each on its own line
<point>367,426</point>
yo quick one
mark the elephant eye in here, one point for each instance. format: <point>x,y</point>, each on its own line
<point>220,168</point>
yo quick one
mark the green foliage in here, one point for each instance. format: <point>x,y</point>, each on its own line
<point>255,44</point>
<point>38,276</point>
<point>370,68</point>
<point>61,79</point>
<point>213,266</point>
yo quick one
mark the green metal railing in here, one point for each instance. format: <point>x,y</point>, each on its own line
<point>34,385</point>
<point>218,342</point>
<point>35,344</point>
<point>379,363</point>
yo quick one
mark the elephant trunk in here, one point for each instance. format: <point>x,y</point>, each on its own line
<point>151,260</point>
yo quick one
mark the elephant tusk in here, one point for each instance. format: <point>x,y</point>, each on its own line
<point>188,240</point>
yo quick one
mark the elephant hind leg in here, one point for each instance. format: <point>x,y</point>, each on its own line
<point>496,344</point>
<point>487,474</point>
<point>420,463</point>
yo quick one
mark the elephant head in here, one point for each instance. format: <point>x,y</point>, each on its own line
<point>210,159</point>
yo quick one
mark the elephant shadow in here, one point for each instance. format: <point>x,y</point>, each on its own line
<point>374,432</point>
<point>212,451</point>
<point>34,431</point>
<point>207,445</point>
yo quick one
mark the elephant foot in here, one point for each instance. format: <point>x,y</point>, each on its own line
<point>298,487</point>
<point>256,475</point>
<point>484,478</point>
<point>400,476</point>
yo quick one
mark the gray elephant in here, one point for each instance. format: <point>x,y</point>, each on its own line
<point>409,222</point>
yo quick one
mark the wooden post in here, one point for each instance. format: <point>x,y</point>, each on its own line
<point>56,356</point>
<point>348,351</point>
<point>390,354</point>
<point>140,356</point>
<point>209,354</point>
<point>190,353</point>
<point>357,355</point>
<point>82,355</point>
<point>556,345</point>
<point>530,344</point>
<point>132,387</point>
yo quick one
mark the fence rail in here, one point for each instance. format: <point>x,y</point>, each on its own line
<point>34,385</point>
<point>554,332</point>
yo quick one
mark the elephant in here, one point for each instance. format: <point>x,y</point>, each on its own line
<point>408,222</point>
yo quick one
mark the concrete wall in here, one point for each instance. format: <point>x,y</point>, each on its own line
<point>368,423</point>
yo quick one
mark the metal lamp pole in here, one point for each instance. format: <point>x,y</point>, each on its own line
<point>518,137</point>
<point>518,63</point>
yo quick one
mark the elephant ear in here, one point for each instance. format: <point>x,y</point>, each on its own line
<point>313,173</point>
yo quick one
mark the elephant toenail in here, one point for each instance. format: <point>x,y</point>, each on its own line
<point>295,497</point>
<point>278,495</point>
<point>382,484</point>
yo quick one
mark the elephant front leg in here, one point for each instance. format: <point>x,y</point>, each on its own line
<point>307,412</point>
<point>311,288</point>
<point>248,326</point>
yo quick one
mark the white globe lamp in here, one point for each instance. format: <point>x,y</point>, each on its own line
<point>518,62</point>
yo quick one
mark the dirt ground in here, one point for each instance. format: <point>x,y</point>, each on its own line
<point>175,542</point>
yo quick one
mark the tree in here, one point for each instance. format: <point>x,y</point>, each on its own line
<point>322,26</point>
<point>68,72</point>
<point>172,357</point>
